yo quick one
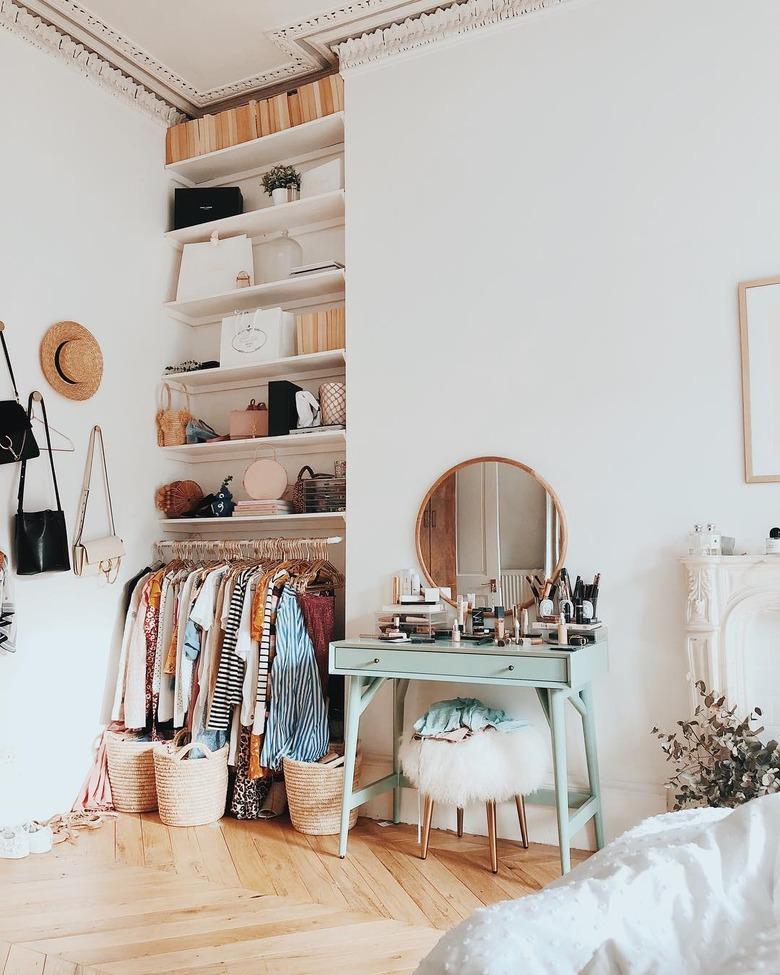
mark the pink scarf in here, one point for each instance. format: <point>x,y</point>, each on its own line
<point>95,793</point>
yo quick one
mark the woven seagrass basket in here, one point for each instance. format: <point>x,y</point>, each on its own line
<point>314,795</point>
<point>131,772</point>
<point>190,791</point>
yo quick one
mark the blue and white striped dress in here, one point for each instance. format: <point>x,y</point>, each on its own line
<point>297,725</point>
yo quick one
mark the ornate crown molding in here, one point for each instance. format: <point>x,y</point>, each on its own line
<point>431,28</point>
<point>304,44</point>
<point>36,31</point>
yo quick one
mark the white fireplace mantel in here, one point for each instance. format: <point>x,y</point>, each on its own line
<point>725,596</point>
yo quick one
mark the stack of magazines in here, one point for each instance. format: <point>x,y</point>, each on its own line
<point>245,509</point>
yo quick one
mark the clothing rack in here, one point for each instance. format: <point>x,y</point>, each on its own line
<point>243,548</point>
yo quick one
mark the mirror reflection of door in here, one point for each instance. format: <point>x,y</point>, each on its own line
<point>437,536</point>
<point>503,521</point>
<point>485,527</point>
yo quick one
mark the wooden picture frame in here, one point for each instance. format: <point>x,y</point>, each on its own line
<point>759,329</point>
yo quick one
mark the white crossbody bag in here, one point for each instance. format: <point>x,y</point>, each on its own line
<point>104,554</point>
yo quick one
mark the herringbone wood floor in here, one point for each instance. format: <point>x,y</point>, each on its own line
<point>138,898</point>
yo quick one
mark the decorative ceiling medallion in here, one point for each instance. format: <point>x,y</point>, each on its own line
<point>429,28</point>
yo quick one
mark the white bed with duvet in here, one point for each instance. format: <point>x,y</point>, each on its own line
<point>682,894</point>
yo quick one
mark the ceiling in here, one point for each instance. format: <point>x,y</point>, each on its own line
<point>199,56</point>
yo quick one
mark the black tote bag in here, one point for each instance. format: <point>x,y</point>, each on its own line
<point>41,537</point>
<point>16,437</point>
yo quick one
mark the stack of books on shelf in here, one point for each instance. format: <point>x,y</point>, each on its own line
<point>320,331</point>
<point>255,119</point>
<point>247,509</point>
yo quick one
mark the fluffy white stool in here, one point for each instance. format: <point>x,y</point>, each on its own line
<point>489,766</point>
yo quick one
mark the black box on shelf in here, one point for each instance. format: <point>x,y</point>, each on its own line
<point>200,205</point>
<point>282,411</point>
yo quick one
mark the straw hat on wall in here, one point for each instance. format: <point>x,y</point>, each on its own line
<point>71,360</point>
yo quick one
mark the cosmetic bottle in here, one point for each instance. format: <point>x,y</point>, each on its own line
<point>773,542</point>
<point>711,540</point>
<point>696,541</point>
<point>455,632</point>
<point>461,610</point>
<point>563,632</point>
<point>523,622</point>
<point>500,623</point>
<point>517,628</point>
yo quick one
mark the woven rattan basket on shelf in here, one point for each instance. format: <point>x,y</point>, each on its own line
<point>171,423</point>
<point>131,772</point>
<point>314,795</point>
<point>190,791</point>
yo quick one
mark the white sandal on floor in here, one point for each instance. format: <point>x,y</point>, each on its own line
<point>14,843</point>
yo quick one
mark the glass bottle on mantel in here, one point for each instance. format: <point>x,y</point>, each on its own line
<point>696,541</point>
<point>711,540</point>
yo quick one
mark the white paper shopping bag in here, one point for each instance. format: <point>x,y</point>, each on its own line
<point>211,267</point>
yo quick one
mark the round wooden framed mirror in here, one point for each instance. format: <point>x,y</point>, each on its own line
<point>485,525</point>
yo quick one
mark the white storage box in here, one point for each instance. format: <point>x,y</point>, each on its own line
<point>256,336</point>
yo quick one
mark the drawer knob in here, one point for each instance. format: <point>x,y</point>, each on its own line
<point>376,660</point>
<point>511,667</point>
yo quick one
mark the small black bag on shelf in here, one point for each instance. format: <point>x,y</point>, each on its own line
<point>16,437</point>
<point>40,537</point>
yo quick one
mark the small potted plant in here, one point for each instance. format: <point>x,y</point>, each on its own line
<point>282,184</point>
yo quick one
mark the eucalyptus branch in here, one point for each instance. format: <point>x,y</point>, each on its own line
<point>719,759</point>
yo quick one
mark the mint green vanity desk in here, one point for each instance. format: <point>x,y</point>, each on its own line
<point>557,676</point>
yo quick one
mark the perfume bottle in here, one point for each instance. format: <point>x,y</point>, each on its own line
<point>696,541</point>
<point>711,540</point>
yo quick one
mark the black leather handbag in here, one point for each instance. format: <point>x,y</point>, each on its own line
<point>40,537</point>
<point>16,437</point>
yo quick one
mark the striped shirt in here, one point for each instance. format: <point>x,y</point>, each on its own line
<point>230,675</point>
<point>274,588</point>
<point>297,725</point>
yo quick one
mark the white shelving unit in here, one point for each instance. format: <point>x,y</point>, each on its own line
<point>326,441</point>
<point>238,377</point>
<point>289,294</point>
<point>267,522</point>
<point>312,210</point>
<point>220,388</point>
<point>237,162</point>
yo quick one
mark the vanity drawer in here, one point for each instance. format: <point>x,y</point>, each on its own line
<point>443,665</point>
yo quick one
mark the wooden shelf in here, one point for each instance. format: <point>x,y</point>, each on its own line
<point>207,380</point>
<point>295,292</point>
<point>268,220</point>
<point>198,525</point>
<point>238,161</point>
<point>326,441</point>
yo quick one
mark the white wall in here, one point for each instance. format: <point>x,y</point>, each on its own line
<point>84,207</point>
<point>546,226</point>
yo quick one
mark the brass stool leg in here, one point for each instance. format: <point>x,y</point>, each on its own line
<point>426,832</point>
<point>491,825</point>
<point>460,821</point>
<point>520,803</point>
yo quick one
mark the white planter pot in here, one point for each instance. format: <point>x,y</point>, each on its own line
<point>284,195</point>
